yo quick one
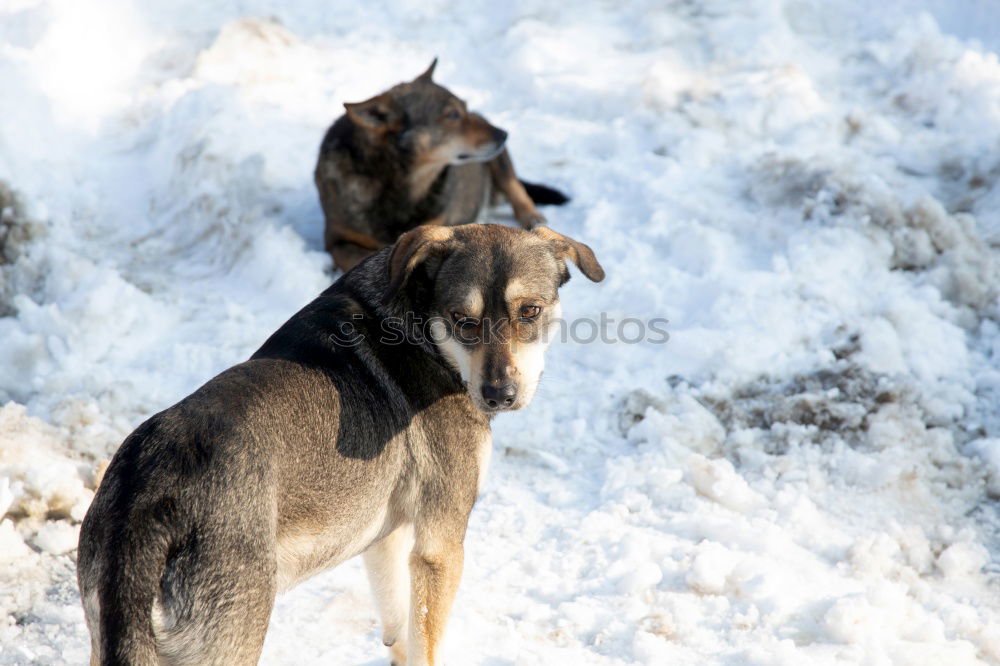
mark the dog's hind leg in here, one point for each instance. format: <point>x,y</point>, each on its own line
<point>215,600</point>
<point>388,573</point>
<point>435,571</point>
<point>505,180</point>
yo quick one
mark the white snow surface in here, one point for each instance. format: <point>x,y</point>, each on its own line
<point>807,472</point>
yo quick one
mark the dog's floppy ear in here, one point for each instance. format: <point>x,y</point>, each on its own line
<point>378,113</point>
<point>412,249</point>
<point>575,251</point>
<point>427,76</point>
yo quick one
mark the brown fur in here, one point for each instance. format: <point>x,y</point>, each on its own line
<point>409,156</point>
<point>320,448</point>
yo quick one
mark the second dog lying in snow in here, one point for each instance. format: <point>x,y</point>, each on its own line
<point>414,155</point>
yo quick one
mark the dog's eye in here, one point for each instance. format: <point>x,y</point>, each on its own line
<point>530,311</point>
<point>452,114</point>
<point>464,322</point>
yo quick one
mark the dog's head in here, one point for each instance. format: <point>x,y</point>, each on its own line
<point>490,297</point>
<point>429,122</point>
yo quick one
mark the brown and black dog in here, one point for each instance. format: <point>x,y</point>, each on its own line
<point>361,426</point>
<point>414,155</point>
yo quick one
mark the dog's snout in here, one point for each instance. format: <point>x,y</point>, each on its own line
<point>499,136</point>
<point>499,397</point>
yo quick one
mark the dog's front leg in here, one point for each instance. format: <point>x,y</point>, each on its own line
<point>388,573</point>
<point>435,570</point>
<point>505,179</point>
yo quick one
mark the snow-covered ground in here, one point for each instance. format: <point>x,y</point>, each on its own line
<point>806,473</point>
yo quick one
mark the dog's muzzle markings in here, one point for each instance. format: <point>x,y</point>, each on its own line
<point>314,451</point>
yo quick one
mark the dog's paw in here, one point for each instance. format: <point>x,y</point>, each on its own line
<point>397,654</point>
<point>530,219</point>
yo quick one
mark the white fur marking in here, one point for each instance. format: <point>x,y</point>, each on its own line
<point>453,351</point>
<point>484,451</point>
<point>473,303</point>
<point>514,290</point>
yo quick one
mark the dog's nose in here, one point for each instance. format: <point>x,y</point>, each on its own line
<point>499,397</point>
<point>499,136</point>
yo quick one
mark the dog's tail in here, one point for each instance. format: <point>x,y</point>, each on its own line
<point>544,195</point>
<point>120,561</point>
<point>119,581</point>
<point>128,593</point>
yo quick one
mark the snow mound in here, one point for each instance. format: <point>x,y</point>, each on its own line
<point>40,481</point>
<point>948,249</point>
<point>18,275</point>
<point>807,192</point>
